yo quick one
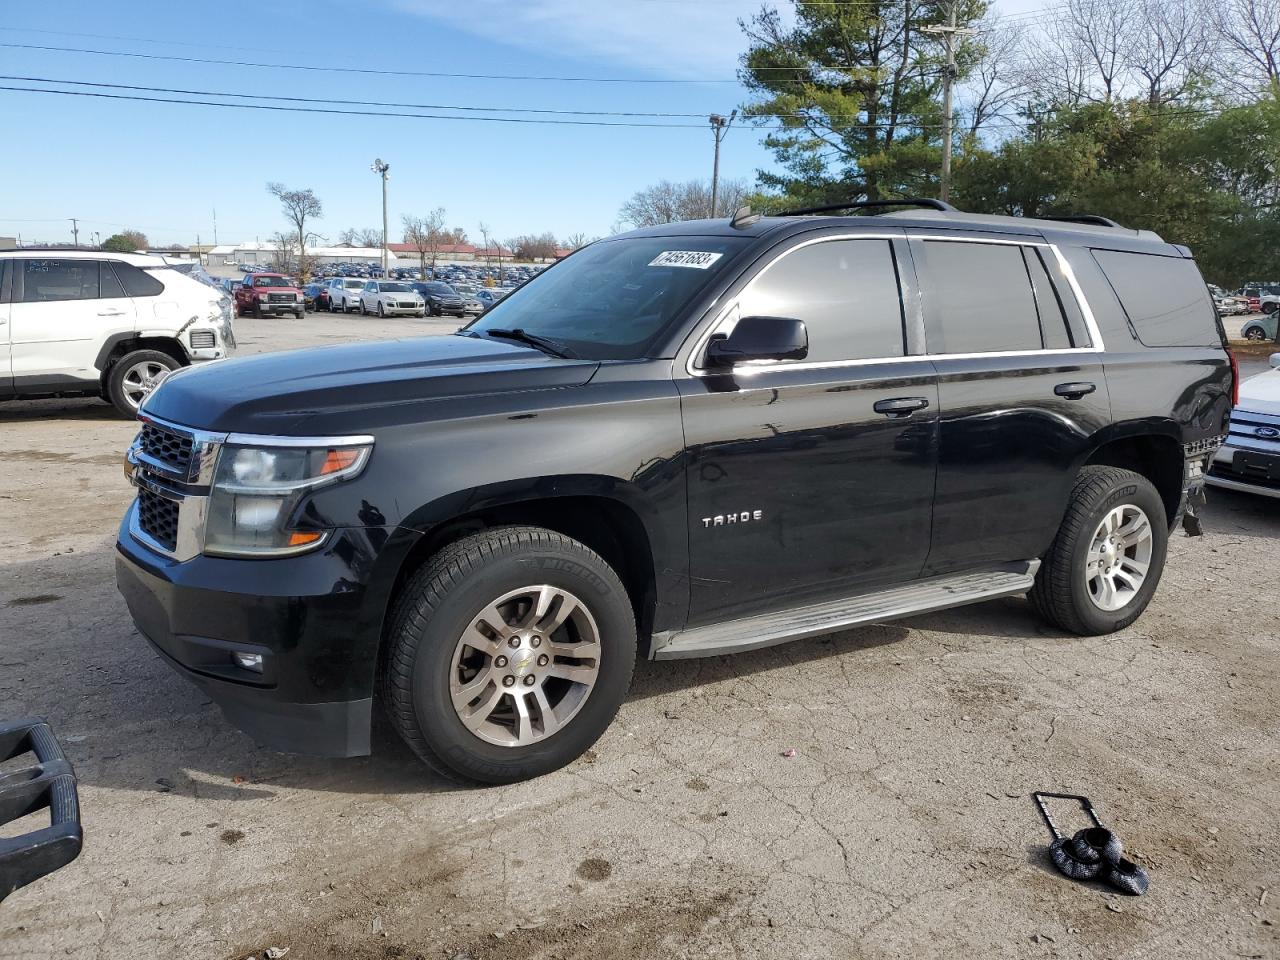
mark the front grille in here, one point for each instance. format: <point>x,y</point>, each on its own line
<point>172,449</point>
<point>1254,431</point>
<point>202,340</point>
<point>158,519</point>
<point>280,297</point>
<point>407,305</point>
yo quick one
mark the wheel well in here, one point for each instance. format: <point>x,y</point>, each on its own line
<point>1157,458</point>
<point>162,344</point>
<point>608,527</point>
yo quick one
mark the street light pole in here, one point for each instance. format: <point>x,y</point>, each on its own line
<point>719,127</point>
<point>381,168</point>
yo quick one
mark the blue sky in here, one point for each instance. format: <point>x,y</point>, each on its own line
<point>164,168</point>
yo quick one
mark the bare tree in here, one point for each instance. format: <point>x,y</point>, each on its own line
<point>534,247</point>
<point>426,234</point>
<point>668,202</point>
<point>998,82</point>
<point>1082,53</point>
<point>489,244</point>
<point>1170,48</point>
<point>361,237</point>
<point>299,206</point>
<point>575,241</point>
<point>1250,33</point>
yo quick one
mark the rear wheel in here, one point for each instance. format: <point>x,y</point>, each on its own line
<point>508,655</point>
<point>1106,561</point>
<point>134,376</point>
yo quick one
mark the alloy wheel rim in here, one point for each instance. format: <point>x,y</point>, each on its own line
<point>1119,557</point>
<point>140,379</point>
<point>525,666</point>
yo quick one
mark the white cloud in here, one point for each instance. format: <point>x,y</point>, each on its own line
<point>659,37</point>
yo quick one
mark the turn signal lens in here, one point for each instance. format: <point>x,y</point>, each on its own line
<point>301,539</point>
<point>336,461</point>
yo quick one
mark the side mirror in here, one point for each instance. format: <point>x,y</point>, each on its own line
<point>760,338</point>
<point>1275,361</point>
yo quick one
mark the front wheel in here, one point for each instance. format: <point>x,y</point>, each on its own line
<point>508,655</point>
<point>1256,334</point>
<point>381,313</point>
<point>1105,563</point>
<point>134,376</point>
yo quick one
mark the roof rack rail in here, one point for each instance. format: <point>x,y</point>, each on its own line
<point>1089,218</point>
<point>932,204</point>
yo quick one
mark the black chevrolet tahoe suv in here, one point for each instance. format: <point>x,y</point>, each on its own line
<point>684,441</point>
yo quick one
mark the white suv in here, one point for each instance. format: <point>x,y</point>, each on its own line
<point>97,323</point>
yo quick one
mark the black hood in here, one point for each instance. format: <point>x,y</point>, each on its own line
<point>294,392</point>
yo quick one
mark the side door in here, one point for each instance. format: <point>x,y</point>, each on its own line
<point>62,314</point>
<point>1022,393</point>
<point>803,483</point>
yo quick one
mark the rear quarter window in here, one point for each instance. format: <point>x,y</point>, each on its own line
<point>1165,298</point>
<point>136,281</point>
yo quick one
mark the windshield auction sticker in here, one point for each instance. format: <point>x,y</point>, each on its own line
<point>697,259</point>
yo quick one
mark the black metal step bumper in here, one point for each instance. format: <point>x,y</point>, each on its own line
<point>50,784</point>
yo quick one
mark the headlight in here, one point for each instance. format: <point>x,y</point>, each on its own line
<point>257,488</point>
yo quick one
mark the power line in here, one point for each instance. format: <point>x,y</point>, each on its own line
<point>314,68</point>
<point>795,115</point>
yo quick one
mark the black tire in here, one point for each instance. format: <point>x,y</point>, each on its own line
<point>1256,334</point>
<point>1096,845</point>
<point>119,370</point>
<point>1060,593</point>
<point>1270,308</point>
<point>438,603</point>
<point>382,315</point>
<point>1066,863</point>
<point>1129,878</point>
<point>299,314</point>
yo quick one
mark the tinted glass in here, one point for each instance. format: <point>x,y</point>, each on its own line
<point>845,291</point>
<point>978,298</point>
<point>1053,322</point>
<point>137,282</point>
<point>272,282</point>
<point>393,287</point>
<point>1165,298</point>
<point>111,287</point>
<point>441,289</point>
<point>49,280</point>
<point>612,299</point>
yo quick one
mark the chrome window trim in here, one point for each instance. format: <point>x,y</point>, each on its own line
<point>721,323</point>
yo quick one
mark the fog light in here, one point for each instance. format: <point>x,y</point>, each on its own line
<point>248,661</point>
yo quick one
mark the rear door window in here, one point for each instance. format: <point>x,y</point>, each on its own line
<point>978,298</point>
<point>845,291</point>
<point>1165,298</point>
<point>1053,322</point>
<point>51,280</point>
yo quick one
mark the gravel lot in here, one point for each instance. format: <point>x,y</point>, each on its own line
<point>902,827</point>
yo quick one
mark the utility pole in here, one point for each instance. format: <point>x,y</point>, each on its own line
<point>949,34</point>
<point>381,168</point>
<point>719,127</point>
<point>215,226</point>
<point>75,231</point>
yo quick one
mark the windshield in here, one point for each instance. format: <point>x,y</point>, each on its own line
<point>392,287</point>
<point>610,300</point>
<point>272,282</point>
<point>440,289</point>
<point>353,284</point>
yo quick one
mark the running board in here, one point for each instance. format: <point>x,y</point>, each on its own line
<point>831,616</point>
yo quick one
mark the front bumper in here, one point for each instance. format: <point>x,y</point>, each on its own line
<point>312,618</point>
<point>395,310</point>
<point>1245,470</point>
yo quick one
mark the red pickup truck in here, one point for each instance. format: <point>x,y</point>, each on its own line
<point>269,293</point>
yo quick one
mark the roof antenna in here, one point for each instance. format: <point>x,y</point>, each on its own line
<point>744,218</point>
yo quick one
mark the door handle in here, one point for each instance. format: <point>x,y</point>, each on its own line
<point>111,313</point>
<point>1074,391</point>
<point>900,406</point>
